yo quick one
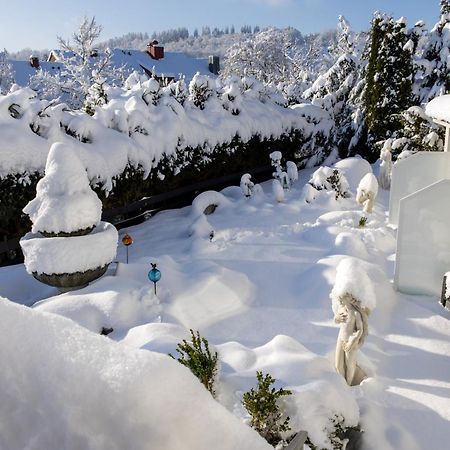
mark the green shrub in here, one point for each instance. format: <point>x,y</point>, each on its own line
<point>197,357</point>
<point>362,222</point>
<point>265,413</point>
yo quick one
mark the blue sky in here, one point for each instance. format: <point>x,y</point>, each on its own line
<point>36,24</point>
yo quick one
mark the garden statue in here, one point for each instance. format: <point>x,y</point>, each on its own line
<point>367,191</point>
<point>353,320</point>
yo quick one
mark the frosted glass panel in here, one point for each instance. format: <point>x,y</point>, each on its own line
<point>423,240</point>
<point>414,173</point>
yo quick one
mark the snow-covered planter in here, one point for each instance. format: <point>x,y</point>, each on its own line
<point>68,245</point>
<point>70,258</point>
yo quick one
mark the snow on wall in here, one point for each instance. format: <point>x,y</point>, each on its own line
<point>141,123</point>
<point>81,390</point>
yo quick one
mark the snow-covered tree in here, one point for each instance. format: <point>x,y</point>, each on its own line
<point>388,78</point>
<point>96,95</point>
<point>6,73</point>
<point>434,62</point>
<point>270,56</point>
<point>200,90</point>
<point>333,90</point>
<point>417,133</point>
<point>83,65</point>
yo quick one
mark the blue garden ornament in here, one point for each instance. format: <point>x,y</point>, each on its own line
<point>154,275</point>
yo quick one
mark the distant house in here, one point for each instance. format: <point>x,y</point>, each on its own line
<point>156,63</point>
<point>23,70</point>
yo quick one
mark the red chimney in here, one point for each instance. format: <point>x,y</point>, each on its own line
<point>34,62</point>
<point>154,50</point>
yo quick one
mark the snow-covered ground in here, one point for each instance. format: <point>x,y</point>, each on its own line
<point>260,292</point>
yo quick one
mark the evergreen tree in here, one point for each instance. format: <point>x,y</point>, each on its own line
<point>388,79</point>
<point>436,78</point>
<point>332,91</point>
<point>96,95</point>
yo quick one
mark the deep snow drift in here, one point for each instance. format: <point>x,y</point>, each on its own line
<point>259,290</point>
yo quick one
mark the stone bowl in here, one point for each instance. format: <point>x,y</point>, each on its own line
<point>71,281</point>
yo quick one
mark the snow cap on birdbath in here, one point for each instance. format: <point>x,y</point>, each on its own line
<point>64,202</point>
<point>439,110</point>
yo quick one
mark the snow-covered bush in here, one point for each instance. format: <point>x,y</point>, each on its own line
<point>278,191</point>
<point>330,179</point>
<point>418,133</point>
<point>266,415</point>
<point>292,171</point>
<point>247,185</point>
<point>384,178</point>
<point>197,357</point>
<point>275,161</point>
<point>285,180</point>
<point>200,90</point>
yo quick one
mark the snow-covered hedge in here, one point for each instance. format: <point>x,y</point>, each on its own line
<point>150,132</point>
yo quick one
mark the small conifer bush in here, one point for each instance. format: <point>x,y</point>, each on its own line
<point>198,358</point>
<point>265,413</point>
<point>362,222</point>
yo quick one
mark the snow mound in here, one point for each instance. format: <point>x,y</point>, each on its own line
<point>354,169</point>
<point>64,199</point>
<point>351,244</point>
<point>156,337</point>
<point>216,293</point>
<point>353,279</point>
<point>55,255</point>
<point>64,388</point>
<point>108,303</point>
<point>208,198</point>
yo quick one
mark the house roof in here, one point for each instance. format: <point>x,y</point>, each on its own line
<point>172,65</point>
<point>23,70</point>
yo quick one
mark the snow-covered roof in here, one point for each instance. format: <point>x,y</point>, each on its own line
<point>173,64</point>
<point>23,70</point>
<point>439,108</point>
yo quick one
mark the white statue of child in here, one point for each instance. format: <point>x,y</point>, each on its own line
<point>353,330</point>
